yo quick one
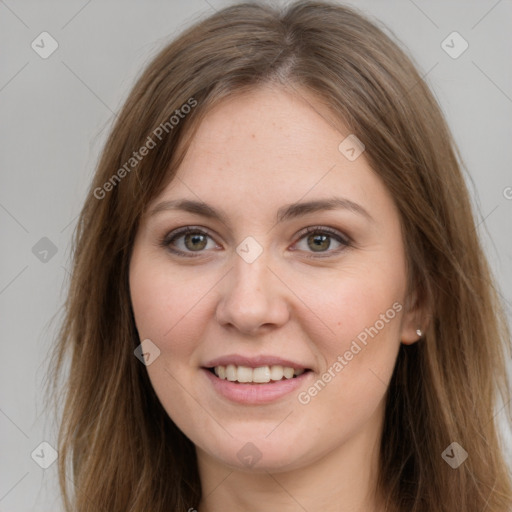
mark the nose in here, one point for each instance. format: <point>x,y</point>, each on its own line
<point>253,299</point>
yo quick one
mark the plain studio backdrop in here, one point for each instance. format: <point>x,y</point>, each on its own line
<point>66,68</point>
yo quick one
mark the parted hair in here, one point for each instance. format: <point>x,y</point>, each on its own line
<point>118,449</point>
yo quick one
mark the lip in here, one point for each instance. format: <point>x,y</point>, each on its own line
<point>254,361</point>
<point>255,394</point>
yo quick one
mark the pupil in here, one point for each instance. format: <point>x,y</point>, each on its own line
<point>319,241</point>
<point>195,239</point>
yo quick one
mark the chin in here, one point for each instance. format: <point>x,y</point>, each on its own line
<point>259,455</point>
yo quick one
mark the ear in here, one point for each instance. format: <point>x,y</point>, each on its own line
<point>415,318</point>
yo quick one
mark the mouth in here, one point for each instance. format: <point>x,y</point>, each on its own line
<point>256,386</point>
<point>259,375</point>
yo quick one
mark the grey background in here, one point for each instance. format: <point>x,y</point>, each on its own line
<point>55,114</point>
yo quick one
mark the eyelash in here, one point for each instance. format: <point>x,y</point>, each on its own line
<point>344,240</point>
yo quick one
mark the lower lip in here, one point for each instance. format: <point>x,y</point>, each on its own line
<point>248,393</point>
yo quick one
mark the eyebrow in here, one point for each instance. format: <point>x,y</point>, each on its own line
<point>284,213</point>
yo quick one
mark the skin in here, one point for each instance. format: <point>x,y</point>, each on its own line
<point>253,154</point>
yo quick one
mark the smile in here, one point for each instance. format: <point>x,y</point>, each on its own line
<point>260,375</point>
<point>240,384</point>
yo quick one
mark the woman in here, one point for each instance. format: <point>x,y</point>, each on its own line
<point>279,300</point>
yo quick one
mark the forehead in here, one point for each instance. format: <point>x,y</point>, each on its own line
<point>271,146</point>
<point>271,125</point>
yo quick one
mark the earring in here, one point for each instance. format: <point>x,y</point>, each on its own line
<point>419,333</point>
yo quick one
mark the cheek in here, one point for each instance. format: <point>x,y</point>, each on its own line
<point>167,305</point>
<point>358,337</point>
<point>351,303</point>
<point>168,310</point>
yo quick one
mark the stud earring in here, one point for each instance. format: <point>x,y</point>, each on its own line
<point>419,333</point>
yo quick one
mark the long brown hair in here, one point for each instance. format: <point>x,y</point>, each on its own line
<point>119,450</point>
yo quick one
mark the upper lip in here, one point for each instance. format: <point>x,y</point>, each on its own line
<point>254,361</point>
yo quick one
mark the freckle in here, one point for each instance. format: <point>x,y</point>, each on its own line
<point>253,136</point>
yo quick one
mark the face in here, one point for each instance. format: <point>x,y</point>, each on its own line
<point>255,285</point>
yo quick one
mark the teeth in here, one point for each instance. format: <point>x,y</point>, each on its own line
<point>276,372</point>
<point>288,372</point>
<point>220,371</point>
<point>262,374</point>
<point>244,374</point>
<point>231,372</point>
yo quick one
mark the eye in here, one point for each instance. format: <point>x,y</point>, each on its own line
<point>319,239</point>
<point>315,239</point>
<point>187,240</point>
